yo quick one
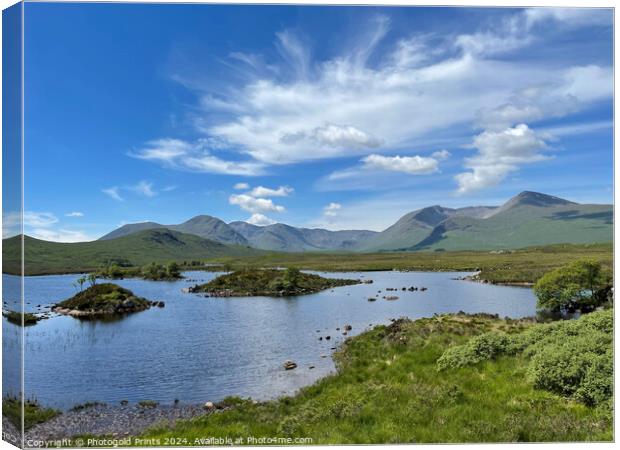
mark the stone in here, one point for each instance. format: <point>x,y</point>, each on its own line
<point>289,365</point>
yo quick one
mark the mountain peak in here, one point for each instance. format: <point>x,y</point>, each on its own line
<point>530,198</point>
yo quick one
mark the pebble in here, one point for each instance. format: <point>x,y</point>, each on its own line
<point>106,419</point>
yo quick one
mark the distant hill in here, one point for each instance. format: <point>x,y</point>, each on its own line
<point>281,237</point>
<point>277,237</point>
<point>418,225</point>
<point>207,227</point>
<point>528,219</point>
<point>142,247</point>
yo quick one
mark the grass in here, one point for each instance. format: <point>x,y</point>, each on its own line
<point>269,282</point>
<point>15,317</point>
<point>145,247</point>
<point>33,412</point>
<point>105,298</point>
<point>515,266</point>
<point>388,390</point>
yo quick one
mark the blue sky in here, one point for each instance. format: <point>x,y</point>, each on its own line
<point>334,117</point>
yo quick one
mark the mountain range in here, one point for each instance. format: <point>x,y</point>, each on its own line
<point>530,218</point>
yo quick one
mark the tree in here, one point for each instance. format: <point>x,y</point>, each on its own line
<point>80,281</point>
<point>173,270</point>
<point>571,287</point>
<point>92,279</point>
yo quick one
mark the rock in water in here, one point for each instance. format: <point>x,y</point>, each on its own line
<point>289,365</point>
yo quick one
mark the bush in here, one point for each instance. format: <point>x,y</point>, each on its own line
<point>571,358</point>
<point>480,348</point>
<point>572,287</point>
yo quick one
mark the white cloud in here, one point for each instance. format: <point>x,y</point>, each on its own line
<point>441,155</point>
<point>260,220</point>
<point>499,153</point>
<point>113,192</point>
<point>144,188</point>
<point>332,209</point>
<point>253,204</point>
<point>241,186</point>
<point>195,157</point>
<point>75,214</point>
<point>261,191</point>
<point>572,17</point>
<point>413,165</point>
<point>334,136</point>
<point>12,221</point>
<point>60,235</point>
<point>365,102</point>
<point>40,225</point>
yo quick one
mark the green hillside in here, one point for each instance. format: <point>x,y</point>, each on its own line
<point>160,245</point>
<point>528,219</point>
<point>523,226</point>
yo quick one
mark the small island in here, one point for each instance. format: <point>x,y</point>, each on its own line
<point>152,272</point>
<point>18,318</point>
<point>268,283</point>
<point>106,299</point>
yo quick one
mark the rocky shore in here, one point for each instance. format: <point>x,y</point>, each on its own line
<point>109,420</point>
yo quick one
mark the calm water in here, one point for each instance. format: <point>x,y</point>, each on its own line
<point>198,349</point>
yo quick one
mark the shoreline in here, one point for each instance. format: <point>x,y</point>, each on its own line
<point>111,420</point>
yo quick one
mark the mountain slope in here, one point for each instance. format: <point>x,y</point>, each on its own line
<point>281,237</point>
<point>526,220</point>
<point>204,226</point>
<point>142,247</point>
<point>418,225</point>
<point>211,228</point>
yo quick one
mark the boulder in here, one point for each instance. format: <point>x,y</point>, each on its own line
<point>289,365</point>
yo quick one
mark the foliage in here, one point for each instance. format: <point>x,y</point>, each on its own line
<point>571,287</point>
<point>571,358</point>
<point>152,271</point>
<point>485,347</point>
<point>15,317</point>
<point>269,282</point>
<point>387,390</point>
<point>105,298</point>
<point>33,412</point>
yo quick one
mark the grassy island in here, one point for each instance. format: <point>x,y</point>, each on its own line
<point>15,317</point>
<point>106,299</point>
<point>268,282</point>
<point>445,379</point>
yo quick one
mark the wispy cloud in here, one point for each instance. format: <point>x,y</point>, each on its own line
<point>143,188</point>
<point>194,156</point>
<point>113,192</point>
<point>332,209</point>
<point>75,214</point>
<point>41,225</point>
<point>374,104</point>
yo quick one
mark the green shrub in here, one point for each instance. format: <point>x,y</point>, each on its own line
<point>480,348</point>
<point>571,358</point>
<point>572,287</point>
